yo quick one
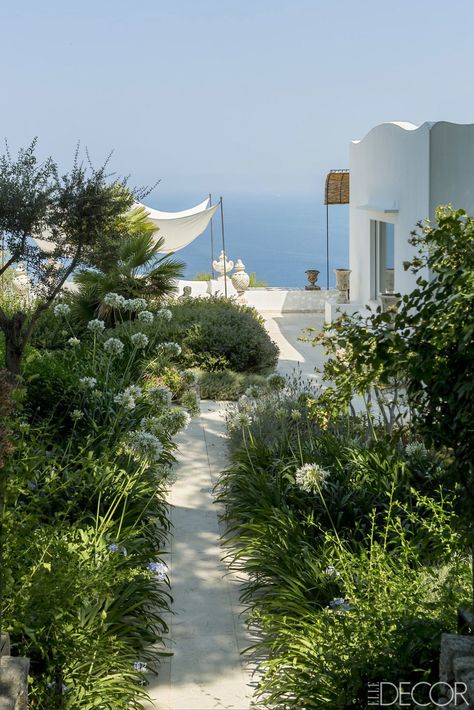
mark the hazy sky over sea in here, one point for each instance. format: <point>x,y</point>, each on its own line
<point>244,96</point>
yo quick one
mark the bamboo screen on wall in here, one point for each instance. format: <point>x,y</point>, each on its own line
<point>337,188</point>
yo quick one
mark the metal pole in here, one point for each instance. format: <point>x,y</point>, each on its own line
<point>223,246</point>
<point>212,241</point>
<point>327,246</point>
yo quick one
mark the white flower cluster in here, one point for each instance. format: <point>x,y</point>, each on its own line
<point>134,304</point>
<point>170,349</point>
<point>175,419</point>
<point>160,396</point>
<point>113,346</point>
<point>114,300</point>
<point>126,399</point>
<point>61,309</point>
<point>146,317</point>
<point>88,383</point>
<point>145,444</point>
<point>164,313</point>
<point>139,340</point>
<point>74,342</point>
<point>311,478</point>
<point>416,449</point>
<point>96,326</point>
<point>159,569</point>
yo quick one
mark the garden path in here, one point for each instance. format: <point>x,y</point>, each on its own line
<point>207,633</point>
<point>285,329</point>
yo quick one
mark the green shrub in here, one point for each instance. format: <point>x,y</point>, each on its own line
<point>227,385</point>
<point>216,333</point>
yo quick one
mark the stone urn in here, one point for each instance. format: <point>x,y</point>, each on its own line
<point>312,275</point>
<point>390,302</point>
<point>343,277</point>
<point>240,280</point>
<point>222,266</point>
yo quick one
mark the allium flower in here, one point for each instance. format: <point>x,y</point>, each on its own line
<point>311,478</point>
<point>139,340</point>
<point>164,313</point>
<point>160,396</point>
<point>140,666</point>
<point>24,427</point>
<point>159,569</point>
<point>114,300</point>
<point>295,415</point>
<point>96,326</point>
<point>171,349</point>
<point>76,414</point>
<point>74,342</point>
<point>253,392</point>
<point>113,346</point>
<point>62,309</point>
<point>244,404</point>
<point>146,317</point>
<point>88,383</point>
<point>146,445</point>
<point>134,304</point>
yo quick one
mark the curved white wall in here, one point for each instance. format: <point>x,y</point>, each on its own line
<point>390,167</point>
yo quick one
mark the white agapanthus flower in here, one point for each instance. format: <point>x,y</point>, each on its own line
<point>140,340</point>
<point>311,478</point>
<point>164,313</point>
<point>74,342</point>
<point>114,300</point>
<point>175,419</point>
<point>113,346</point>
<point>295,415</point>
<point>96,326</point>
<point>146,317</point>
<point>134,390</point>
<point>125,400</point>
<point>253,392</point>
<point>171,349</point>
<point>154,425</point>
<point>146,444</point>
<point>160,395</point>
<point>416,449</point>
<point>88,383</point>
<point>61,309</point>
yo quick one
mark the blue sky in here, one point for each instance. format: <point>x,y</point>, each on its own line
<point>244,96</point>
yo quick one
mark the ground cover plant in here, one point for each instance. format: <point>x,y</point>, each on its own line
<point>349,506</point>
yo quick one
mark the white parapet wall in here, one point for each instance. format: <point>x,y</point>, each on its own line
<point>284,300</point>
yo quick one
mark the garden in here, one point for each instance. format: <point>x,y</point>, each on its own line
<point>102,368</point>
<point>349,506</point>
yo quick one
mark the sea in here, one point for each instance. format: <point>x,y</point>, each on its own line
<point>277,237</point>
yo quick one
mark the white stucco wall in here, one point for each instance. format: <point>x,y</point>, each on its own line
<point>452,166</point>
<point>389,168</point>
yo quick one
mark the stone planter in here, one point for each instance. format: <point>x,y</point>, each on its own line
<point>343,277</point>
<point>222,266</point>
<point>312,275</point>
<point>240,280</point>
<point>13,678</point>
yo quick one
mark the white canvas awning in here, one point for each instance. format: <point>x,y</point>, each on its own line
<point>179,229</point>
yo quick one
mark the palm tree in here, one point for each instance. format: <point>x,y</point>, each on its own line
<point>138,270</point>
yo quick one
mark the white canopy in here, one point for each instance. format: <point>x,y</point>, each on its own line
<point>178,229</point>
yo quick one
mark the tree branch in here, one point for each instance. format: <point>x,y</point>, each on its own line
<point>8,264</point>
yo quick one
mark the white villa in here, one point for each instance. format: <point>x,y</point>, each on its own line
<point>399,174</point>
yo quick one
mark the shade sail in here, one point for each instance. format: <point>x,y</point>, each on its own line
<point>179,229</point>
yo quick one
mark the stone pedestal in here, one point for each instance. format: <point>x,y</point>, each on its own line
<point>13,678</point>
<point>343,284</point>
